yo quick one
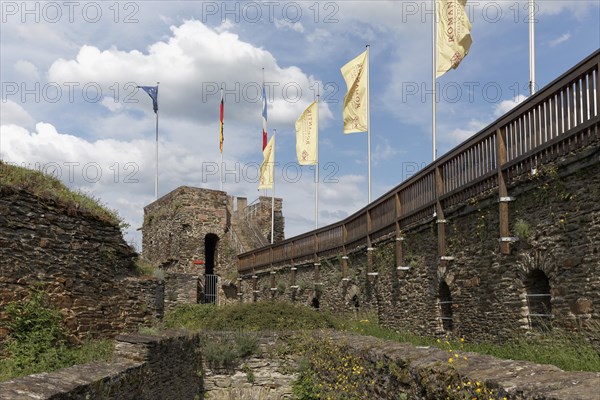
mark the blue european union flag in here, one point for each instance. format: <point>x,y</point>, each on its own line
<point>153,93</point>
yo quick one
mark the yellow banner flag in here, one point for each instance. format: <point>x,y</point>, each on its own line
<point>267,168</point>
<point>454,34</point>
<point>356,100</point>
<point>307,135</point>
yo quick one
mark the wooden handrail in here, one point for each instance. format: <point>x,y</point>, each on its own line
<point>562,102</point>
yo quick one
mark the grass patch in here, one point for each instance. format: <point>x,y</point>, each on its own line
<point>37,341</point>
<point>260,316</point>
<point>145,268</point>
<point>568,351</point>
<point>48,187</point>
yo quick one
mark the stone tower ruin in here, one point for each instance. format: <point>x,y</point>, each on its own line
<point>194,236</point>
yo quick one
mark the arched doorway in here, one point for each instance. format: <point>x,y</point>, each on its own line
<point>210,278</point>
<point>355,303</point>
<point>445,299</point>
<point>315,303</point>
<point>537,287</point>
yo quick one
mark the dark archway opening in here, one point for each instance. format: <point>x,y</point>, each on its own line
<point>210,279</point>
<point>315,303</point>
<point>355,303</point>
<point>446,306</point>
<point>537,286</point>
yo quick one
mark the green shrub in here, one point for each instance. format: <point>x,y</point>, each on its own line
<point>37,340</point>
<point>522,229</point>
<point>192,317</point>
<point>220,353</point>
<point>246,345</point>
<point>145,268</point>
<point>227,352</point>
<point>258,316</point>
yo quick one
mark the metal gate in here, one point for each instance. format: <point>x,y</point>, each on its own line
<point>210,289</point>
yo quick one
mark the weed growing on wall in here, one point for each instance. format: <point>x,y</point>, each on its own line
<point>227,352</point>
<point>329,371</point>
<point>522,229</point>
<point>37,340</point>
<point>460,388</point>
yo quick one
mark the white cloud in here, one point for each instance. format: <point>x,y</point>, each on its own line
<point>111,104</point>
<point>578,8</point>
<point>318,35</point>
<point>227,25</point>
<point>12,113</point>
<point>384,150</point>
<point>561,39</point>
<point>505,106</point>
<point>459,135</point>
<point>285,24</point>
<point>27,69</point>
<point>191,66</point>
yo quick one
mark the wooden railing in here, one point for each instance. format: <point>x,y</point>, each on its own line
<point>558,119</point>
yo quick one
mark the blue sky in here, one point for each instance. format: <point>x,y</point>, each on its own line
<point>69,104</point>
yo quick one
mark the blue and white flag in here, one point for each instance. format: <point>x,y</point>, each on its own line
<point>153,93</point>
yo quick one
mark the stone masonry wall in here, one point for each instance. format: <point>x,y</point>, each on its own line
<point>83,264</point>
<point>402,371</point>
<point>145,368</point>
<point>259,215</point>
<point>170,367</point>
<point>174,230</point>
<point>176,224</point>
<point>556,217</point>
<point>267,374</point>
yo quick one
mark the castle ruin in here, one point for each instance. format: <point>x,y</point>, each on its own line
<point>194,235</point>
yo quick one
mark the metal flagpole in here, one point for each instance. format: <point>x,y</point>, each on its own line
<point>368,123</point>
<point>532,47</point>
<point>317,170</point>
<point>156,173</point>
<point>221,167</point>
<point>221,128</point>
<point>273,195</point>
<point>433,78</point>
<point>265,100</point>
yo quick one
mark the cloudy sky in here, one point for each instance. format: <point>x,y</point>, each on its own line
<point>69,104</point>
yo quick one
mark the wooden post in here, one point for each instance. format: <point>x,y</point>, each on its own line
<point>254,286</point>
<point>344,254</point>
<point>439,211</point>
<point>502,192</point>
<point>369,245</point>
<point>317,264</point>
<point>399,237</point>
<point>293,268</point>
<point>597,93</point>
<point>272,279</point>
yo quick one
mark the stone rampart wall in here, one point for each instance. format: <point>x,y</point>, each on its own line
<point>81,262</point>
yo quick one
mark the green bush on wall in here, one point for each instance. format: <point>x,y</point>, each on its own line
<point>37,340</point>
